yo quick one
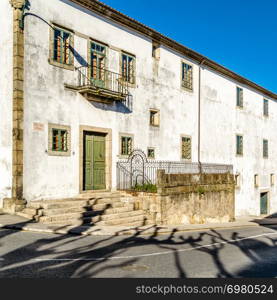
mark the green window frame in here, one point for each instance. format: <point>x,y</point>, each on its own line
<point>97,61</point>
<point>265,148</point>
<point>239,145</point>
<point>126,145</point>
<point>62,45</point>
<point>239,97</point>
<point>187,76</point>
<point>59,140</point>
<point>151,153</point>
<point>128,68</point>
<point>266,107</point>
<point>186,148</point>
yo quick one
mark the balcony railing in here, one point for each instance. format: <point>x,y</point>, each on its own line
<point>102,83</point>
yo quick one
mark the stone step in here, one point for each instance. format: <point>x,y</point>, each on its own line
<point>112,208</point>
<point>24,215</point>
<point>138,219</point>
<point>88,216</point>
<point>30,211</point>
<point>74,203</point>
<point>101,194</point>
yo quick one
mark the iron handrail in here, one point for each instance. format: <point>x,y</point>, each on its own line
<point>102,79</point>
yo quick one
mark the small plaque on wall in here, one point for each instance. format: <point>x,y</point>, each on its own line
<point>38,127</point>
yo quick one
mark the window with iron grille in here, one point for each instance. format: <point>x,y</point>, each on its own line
<point>186,148</point>
<point>98,62</point>
<point>62,42</point>
<point>187,79</point>
<point>239,97</point>
<point>265,148</point>
<point>239,145</point>
<point>128,68</point>
<point>59,140</point>
<point>126,145</point>
<point>151,153</point>
<point>265,107</point>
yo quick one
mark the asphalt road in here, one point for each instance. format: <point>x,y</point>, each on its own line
<point>245,252</point>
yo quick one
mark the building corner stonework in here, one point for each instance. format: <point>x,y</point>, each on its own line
<point>17,203</point>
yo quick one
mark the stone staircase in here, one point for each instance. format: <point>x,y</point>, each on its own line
<point>101,209</point>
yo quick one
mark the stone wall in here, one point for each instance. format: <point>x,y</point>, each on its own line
<point>190,199</point>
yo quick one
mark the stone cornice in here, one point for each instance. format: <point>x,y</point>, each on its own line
<point>118,17</point>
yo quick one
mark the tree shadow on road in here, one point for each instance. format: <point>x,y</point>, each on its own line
<point>66,256</point>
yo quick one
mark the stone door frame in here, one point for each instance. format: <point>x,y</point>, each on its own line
<point>108,156</point>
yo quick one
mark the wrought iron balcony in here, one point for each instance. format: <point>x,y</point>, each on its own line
<point>101,85</point>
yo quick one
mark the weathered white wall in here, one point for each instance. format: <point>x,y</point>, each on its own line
<point>5,100</point>
<point>158,86</point>
<point>221,121</point>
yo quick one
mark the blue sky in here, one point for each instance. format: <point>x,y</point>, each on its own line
<point>239,34</point>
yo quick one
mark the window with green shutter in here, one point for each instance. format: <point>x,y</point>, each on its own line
<point>239,97</point>
<point>151,153</point>
<point>98,63</point>
<point>126,145</point>
<point>128,68</point>
<point>265,107</point>
<point>59,140</point>
<point>62,42</point>
<point>239,145</point>
<point>187,78</point>
<point>265,148</point>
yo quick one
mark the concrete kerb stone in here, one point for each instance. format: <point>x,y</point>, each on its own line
<point>121,230</point>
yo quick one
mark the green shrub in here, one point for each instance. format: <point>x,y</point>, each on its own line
<point>201,190</point>
<point>147,187</point>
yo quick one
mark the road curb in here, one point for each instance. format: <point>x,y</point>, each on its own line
<point>128,231</point>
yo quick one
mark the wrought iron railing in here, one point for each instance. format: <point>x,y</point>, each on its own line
<point>137,170</point>
<point>102,79</point>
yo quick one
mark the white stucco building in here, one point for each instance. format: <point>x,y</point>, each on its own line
<point>181,106</point>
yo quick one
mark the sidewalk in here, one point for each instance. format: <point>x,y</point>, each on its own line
<point>20,223</point>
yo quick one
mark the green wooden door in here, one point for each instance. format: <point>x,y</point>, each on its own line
<point>88,162</point>
<point>99,177</point>
<point>94,162</point>
<point>264,203</point>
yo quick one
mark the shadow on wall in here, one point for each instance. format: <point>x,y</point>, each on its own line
<point>124,107</point>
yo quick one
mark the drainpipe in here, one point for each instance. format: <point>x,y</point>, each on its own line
<point>199,115</point>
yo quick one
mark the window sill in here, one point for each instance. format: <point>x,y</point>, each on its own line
<point>120,156</point>
<point>60,65</point>
<point>186,89</point>
<point>58,153</point>
<point>186,159</point>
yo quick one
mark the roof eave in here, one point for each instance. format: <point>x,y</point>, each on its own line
<point>118,17</point>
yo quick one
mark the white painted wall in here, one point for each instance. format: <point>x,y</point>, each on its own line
<point>5,100</point>
<point>221,121</point>
<point>158,86</point>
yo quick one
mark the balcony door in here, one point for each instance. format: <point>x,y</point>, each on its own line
<point>98,64</point>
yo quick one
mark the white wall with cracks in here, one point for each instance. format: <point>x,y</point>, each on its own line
<point>158,85</point>
<point>6,88</point>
